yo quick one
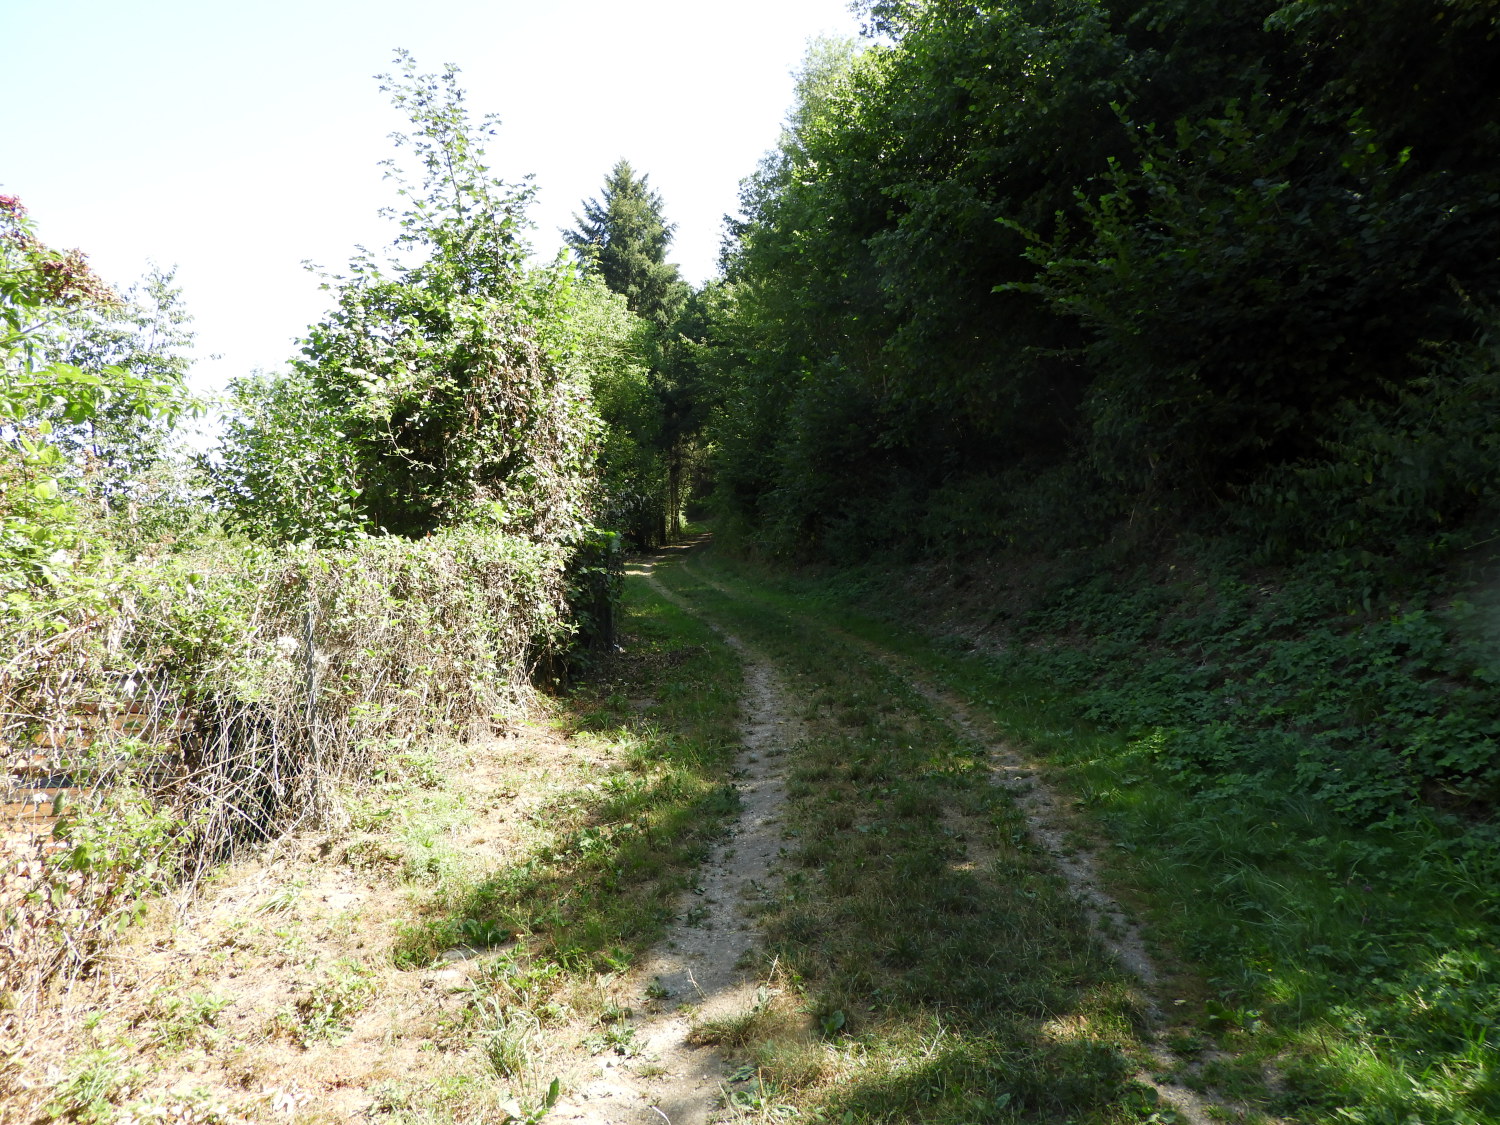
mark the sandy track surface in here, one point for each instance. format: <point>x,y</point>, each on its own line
<point>699,971</point>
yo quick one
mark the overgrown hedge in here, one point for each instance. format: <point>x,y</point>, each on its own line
<point>226,694</point>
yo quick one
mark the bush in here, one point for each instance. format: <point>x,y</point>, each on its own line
<point>226,693</point>
<point>1406,473</point>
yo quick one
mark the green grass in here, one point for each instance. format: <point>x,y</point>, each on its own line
<point>182,1022</point>
<point>330,1005</point>
<point>1357,959</point>
<point>594,895</point>
<point>609,854</point>
<point>95,1081</point>
<point>938,990</point>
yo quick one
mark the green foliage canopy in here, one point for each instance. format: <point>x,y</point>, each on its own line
<point>83,387</point>
<point>1155,247</point>
<point>655,426</point>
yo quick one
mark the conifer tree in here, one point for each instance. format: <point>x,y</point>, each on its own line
<point>625,237</point>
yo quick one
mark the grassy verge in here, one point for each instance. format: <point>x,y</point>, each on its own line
<point>600,889</point>
<point>1357,959</point>
<point>948,975</point>
<point>446,957</point>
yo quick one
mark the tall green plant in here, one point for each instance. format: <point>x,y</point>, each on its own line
<point>622,240</point>
<point>49,302</point>
<point>624,236</point>
<point>288,472</point>
<point>430,388</point>
<point>145,334</point>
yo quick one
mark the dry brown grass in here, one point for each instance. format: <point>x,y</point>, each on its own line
<point>272,994</point>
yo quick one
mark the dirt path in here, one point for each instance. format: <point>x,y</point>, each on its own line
<point>697,973</point>
<point>1048,825</point>
<point>275,996</point>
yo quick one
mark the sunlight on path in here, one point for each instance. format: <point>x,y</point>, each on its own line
<point>697,973</point>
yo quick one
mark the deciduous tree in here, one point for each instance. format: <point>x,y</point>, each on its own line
<point>437,391</point>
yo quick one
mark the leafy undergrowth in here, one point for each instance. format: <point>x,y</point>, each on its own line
<point>949,976</point>
<point>454,954</point>
<point>1251,756</point>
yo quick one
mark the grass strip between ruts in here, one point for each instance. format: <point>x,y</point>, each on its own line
<point>949,975</point>
<point>1359,964</point>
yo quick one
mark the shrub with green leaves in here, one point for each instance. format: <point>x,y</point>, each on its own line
<point>75,390</point>
<point>440,388</point>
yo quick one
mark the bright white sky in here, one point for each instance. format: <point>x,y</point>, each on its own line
<point>237,140</point>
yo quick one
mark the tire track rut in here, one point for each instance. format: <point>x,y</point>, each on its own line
<point>696,973</point>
